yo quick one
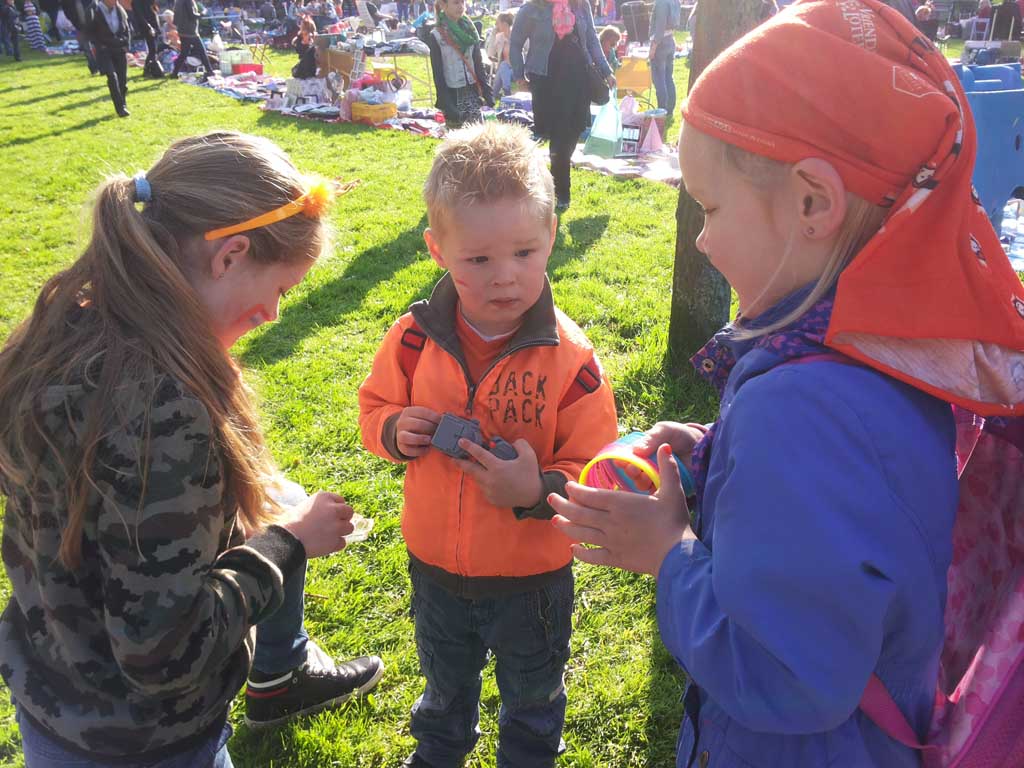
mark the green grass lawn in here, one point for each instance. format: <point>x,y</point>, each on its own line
<point>611,271</point>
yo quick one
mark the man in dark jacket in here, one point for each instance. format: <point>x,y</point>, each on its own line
<point>186,19</point>
<point>79,13</point>
<point>109,32</point>
<point>145,22</point>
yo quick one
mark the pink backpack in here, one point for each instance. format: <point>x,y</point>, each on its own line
<point>978,720</point>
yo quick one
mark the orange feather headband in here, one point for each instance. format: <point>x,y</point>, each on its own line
<point>312,204</point>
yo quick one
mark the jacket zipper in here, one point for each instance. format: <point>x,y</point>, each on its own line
<point>471,389</point>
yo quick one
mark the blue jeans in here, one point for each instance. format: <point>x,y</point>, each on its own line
<point>281,638</point>
<point>41,751</point>
<point>503,80</point>
<point>528,634</point>
<point>661,74</point>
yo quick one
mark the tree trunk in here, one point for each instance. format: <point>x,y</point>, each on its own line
<point>700,295</point>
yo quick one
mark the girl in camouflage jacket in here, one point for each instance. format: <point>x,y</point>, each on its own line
<point>140,539</point>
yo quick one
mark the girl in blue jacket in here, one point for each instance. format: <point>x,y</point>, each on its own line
<point>873,292</point>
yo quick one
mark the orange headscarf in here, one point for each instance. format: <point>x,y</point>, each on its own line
<point>931,299</point>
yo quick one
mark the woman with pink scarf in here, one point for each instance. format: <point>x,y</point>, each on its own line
<point>563,47</point>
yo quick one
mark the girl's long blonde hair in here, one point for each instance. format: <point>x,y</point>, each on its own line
<point>126,309</point>
<point>862,221</point>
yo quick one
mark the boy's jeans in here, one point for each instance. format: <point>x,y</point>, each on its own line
<point>41,751</point>
<point>528,634</point>
<point>661,74</point>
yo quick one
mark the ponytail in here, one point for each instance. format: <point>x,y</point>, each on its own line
<point>126,311</point>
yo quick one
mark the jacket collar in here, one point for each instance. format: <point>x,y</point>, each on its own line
<point>724,352</point>
<point>436,317</point>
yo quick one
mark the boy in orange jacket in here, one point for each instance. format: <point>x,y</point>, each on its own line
<point>489,573</point>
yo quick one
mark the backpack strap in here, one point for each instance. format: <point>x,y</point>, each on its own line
<point>413,341</point>
<point>880,709</point>
<point>588,379</point>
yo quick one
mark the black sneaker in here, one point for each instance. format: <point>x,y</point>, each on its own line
<point>415,761</point>
<point>562,205</point>
<point>318,684</point>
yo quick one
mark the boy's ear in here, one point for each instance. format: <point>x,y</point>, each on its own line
<point>434,246</point>
<point>229,254</point>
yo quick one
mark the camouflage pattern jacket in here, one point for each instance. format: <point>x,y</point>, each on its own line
<point>139,650</point>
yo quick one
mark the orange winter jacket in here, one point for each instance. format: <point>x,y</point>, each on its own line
<point>546,387</point>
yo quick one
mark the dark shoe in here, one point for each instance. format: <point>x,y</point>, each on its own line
<point>415,761</point>
<point>562,205</point>
<point>123,113</point>
<point>318,684</point>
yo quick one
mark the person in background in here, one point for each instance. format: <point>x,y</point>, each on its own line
<point>169,32</point>
<point>609,39</point>
<point>146,24</point>
<point>186,19</point>
<point>563,47</point>
<point>503,71</point>
<point>110,33</point>
<point>456,59</point>
<point>9,29</point>
<point>51,8</point>
<point>305,45</point>
<point>32,29</point>
<point>662,55</point>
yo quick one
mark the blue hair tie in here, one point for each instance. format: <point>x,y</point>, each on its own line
<point>143,190</point>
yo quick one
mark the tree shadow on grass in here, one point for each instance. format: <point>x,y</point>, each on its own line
<point>51,96</point>
<point>329,304</point>
<point>60,130</point>
<point>105,96</point>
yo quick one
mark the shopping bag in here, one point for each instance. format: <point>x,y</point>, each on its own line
<point>606,132</point>
<point>628,106</point>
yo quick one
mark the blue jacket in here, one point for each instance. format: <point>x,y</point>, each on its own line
<point>533,23</point>
<point>826,528</point>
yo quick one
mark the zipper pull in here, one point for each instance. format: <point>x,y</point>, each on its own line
<point>469,403</point>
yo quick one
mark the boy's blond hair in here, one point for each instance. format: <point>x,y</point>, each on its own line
<point>484,163</point>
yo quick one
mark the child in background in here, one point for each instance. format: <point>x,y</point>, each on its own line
<point>817,554</point>
<point>489,573</point>
<point>169,32</point>
<point>503,74</point>
<point>457,64</point>
<point>305,45</point>
<point>609,39</point>
<point>151,569</point>
<point>33,30</point>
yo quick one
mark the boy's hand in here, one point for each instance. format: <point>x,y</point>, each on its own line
<point>681,437</point>
<point>414,429</point>
<point>512,483</point>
